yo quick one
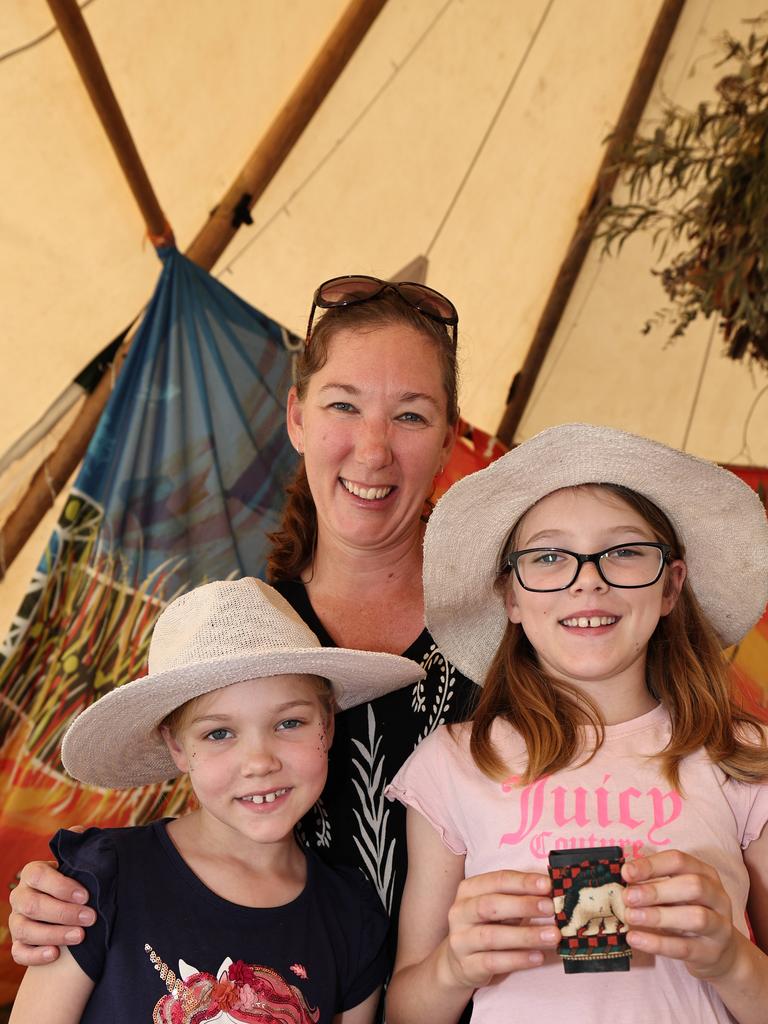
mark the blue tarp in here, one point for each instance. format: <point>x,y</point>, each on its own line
<point>191,456</point>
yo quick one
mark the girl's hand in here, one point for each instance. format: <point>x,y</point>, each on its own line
<point>489,933</point>
<point>456,934</point>
<point>677,907</point>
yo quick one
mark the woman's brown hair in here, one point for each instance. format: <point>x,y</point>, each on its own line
<point>293,544</point>
<point>685,670</point>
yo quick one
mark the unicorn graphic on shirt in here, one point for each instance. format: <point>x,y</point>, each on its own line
<point>239,993</point>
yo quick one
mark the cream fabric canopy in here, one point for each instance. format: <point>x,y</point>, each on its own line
<point>468,130</point>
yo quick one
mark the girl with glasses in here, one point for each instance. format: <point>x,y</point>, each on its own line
<point>587,847</point>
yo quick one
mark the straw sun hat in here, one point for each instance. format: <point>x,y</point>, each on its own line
<point>718,518</point>
<point>216,635</point>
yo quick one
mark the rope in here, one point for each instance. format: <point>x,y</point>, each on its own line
<point>744,450</point>
<point>699,383</point>
<point>284,209</point>
<point>491,126</point>
<point>38,39</point>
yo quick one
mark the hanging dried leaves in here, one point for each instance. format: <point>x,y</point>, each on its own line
<point>699,182</point>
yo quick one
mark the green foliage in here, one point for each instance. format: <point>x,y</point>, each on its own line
<point>700,183</point>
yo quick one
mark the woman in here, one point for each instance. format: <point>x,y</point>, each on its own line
<point>374,414</point>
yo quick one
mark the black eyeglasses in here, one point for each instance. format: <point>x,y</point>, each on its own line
<point>356,288</point>
<point>625,565</point>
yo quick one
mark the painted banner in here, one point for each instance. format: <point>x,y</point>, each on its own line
<point>180,484</point>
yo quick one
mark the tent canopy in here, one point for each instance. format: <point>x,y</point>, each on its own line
<point>470,132</point>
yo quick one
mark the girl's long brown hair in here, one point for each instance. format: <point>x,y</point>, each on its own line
<point>293,544</point>
<point>685,670</point>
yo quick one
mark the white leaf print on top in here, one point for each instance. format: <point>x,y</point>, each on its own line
<point>376,850</point>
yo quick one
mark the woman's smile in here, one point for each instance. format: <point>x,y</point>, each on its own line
<point>368,492</point>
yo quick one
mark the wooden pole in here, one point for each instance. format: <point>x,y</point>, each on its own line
<point>284,131</point>
<point>629,118</point>
<point>209,244</point>
<point>75,34</point>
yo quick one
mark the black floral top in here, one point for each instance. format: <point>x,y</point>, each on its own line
<point>352,823</point>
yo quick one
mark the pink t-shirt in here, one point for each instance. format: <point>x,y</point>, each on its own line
<point>620,798</point>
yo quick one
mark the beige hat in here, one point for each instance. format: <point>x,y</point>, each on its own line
<point>213,636</point>
<point>718,518</point>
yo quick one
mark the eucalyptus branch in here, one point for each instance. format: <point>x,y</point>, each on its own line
<point>699,180</point>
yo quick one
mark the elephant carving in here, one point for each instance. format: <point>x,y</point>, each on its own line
<point>591,906</point>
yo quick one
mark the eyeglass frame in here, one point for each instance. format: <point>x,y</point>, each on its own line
<point>511,559</point>
<point>385,286</point>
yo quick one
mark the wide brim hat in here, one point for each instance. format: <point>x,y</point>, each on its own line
<point>719,519</point>
<point>216,635</point>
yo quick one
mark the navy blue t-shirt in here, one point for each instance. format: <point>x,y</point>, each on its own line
<point>162,936</point>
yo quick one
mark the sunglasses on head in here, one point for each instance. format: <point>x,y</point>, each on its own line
<point>357,288</point>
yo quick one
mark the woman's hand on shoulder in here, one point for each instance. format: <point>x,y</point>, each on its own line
<point>489,927</point>
<point>677,907</point>
<point>47,912</point>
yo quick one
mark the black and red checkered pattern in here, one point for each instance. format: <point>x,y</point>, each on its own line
<point>599,943</point>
